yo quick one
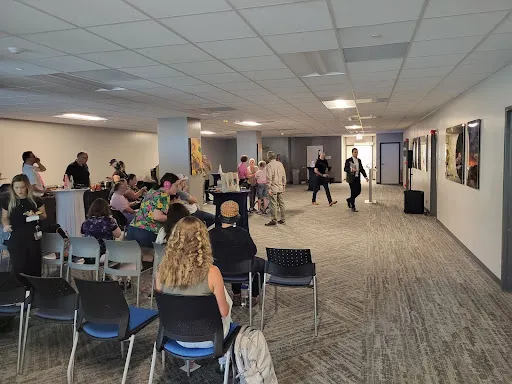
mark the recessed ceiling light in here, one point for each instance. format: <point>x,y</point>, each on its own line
<point>248,123</point>
<point>337,104</point>
<point>19,69</point>
<point>77,116</point>
<point>208,133</point>
<point>357,118</point>
<point>364,101</point>
<point>111,89</point>
<point>282,133</point>
<point>327,74</point>
<point>353,126</point>
<point>376,35</point>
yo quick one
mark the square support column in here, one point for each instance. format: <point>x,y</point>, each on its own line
<point>248,143</point>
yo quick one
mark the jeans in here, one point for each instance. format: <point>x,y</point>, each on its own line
<point>208,218</point>
<point>143,237</point>
<point>258,265</point>
<point>319,182</point>
<point>277,201</point>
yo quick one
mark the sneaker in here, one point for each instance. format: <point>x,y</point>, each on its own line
<point>271,223</point>
<point>314,203</point>
<point>332,203</point>
<point>237,300</point>
<point>282,221</point>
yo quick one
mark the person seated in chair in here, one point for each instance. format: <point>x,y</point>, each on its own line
<point>176,212</point>
<point>190,202</point>
<point>234,244</point>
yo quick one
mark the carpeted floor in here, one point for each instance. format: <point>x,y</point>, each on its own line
<point>399,302</point>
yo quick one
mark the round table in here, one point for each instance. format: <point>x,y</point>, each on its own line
<point>70,209</point>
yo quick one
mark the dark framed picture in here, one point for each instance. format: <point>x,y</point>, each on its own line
<point>455,153</point>
<point>473,146</point>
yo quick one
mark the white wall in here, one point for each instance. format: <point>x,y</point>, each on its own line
<point>474,216</point>
<point>58,144</point>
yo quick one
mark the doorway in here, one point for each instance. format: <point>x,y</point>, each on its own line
<point>389,167</point>
<point>365,153</point>
<point>506,251</point>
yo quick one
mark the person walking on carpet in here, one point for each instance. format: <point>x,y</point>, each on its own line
<point>322,178</point>
<point>354,169</point>
<point>276,181</point>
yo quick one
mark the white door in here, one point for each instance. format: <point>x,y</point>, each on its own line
<point>390,163</point>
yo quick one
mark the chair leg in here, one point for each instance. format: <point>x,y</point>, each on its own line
<point>71,364</point>
<point>138,290</point>
<point>316,305</point>
<point>98,274</point>
<point>74,323</point>
<point>153,361</point>
<point>127,364</point>
<point>259,285</point>
<point>233,367</point>
<point>250,299</point>
<point>68,273</point>
<point>152,288</point>
<point>263,302</point>
<point>163,359</point>
<point>25,337</point>
<point>122,349</point>
<point>226,368</point>
<point>18,371</point>
<point>61,268</point>
<point>187,363</point>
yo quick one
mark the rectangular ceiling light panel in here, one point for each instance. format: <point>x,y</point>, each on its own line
<point>315,63</point>
<point>377,52</point>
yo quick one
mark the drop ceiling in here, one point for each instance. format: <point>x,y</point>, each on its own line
<point>227,60</point>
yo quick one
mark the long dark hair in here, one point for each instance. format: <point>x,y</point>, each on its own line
<point>176,212</point>
<point>99,208</point>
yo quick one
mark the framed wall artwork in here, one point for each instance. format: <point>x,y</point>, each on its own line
<point>196,156</point>
<point>414,153</point>
<point>424,153</point>
<point>473,146</point>
<point>418,153</point>
<point>455,153</point>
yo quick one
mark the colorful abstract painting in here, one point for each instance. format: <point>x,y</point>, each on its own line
<point>196,156</point>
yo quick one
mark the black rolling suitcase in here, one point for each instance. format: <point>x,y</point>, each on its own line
<point>413,202</point>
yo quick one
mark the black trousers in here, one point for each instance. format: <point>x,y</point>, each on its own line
<point>319,182</point>
<point>355,190</point>
<point>25,253</point>
<point>258,265</point>
<point>206,187</point>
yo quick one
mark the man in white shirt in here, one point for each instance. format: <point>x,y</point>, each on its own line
<point>32,172</point>
<point>276,181</point>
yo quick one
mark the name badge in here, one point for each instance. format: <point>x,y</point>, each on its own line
<point>32,218</point>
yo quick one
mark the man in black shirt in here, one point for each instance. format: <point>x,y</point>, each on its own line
<point>322,178</point>
<point>231,244</point>
<point>79,171</point>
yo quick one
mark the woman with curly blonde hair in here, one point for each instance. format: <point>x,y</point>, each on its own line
<point>187,269</point>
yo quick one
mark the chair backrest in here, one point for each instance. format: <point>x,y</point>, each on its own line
<point>53,242</point>
<point>235,268</point>
<point>51,293</point>
<point>289,262</point>
<point>123,252</point>
<point>121,219</point>
<point>159,255</point>
<point>12,291</point>
<point>189,319</point>
<point>86,247</point>
<point>102,302</point>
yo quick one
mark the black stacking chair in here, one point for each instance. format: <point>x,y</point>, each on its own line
<point>53,299</point>
<point>103,314</point>
<point>292,268</point>
<point>191,319</point>
<point>239,273</point>
<point>12,303</point>
<point>121,219</point>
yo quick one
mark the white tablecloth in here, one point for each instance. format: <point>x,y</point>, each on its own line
<point>70,209</point>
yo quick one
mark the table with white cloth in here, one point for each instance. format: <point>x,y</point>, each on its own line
<point>70,209</point>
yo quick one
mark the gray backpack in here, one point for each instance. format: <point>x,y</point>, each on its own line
<point>253,360</point>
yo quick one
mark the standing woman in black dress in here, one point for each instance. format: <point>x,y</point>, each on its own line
<point>19,217</point>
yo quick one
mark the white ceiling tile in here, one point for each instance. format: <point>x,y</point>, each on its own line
<point>196,88</point>
<point>222,78</point>
<point>73,41</point>
<point>374,76</point>
<point>370,12</point>
<point>90,12</point>
<point>280,82</point>
<point>173,54</point>
<point>228,49</point>
<point>245,85</point>
<point>325,80</point>
<point>425,72</point>
<point>270,74</point>
<point>433,61</point>
<point>152,71</point>
<point>506,26</point>
<point>29,49</point>
<point>258,63</point>
<point>67,64</point>
<point>441,8</point>
<point>8,68</point>
<point>458,26</point>
<point>119,59</point>
<point>166,8</point>
<point>443,46</point>
<point>303,42</point>
<point>478,57</point>
<point>260,3</point>
<point>496,41</point>
<point>181,80</point>
<point>210,26</point>
<point>374,66</point>
<point>202,67</point>
<point>480,68</point>
<point>135,84</point>
<point>289,18</point>
<point>18,19</point>
<point>140,34</point>
<point>389,34</point>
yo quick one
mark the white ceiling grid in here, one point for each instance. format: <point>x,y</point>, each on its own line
<point>190,57</point>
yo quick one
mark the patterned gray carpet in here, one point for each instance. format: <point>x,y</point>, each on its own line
<point>399,302</point>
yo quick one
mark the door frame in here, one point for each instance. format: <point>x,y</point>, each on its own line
<point>380,161</point>
<point>506,247</point>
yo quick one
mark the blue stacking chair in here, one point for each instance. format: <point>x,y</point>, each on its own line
<point>12,303</point>
<point>103,314</point>
<point>191,319</point>
<point>291,268</point>
<point>50,299</point>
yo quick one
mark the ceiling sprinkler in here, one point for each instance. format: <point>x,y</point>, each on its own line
<point>15,50</point>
